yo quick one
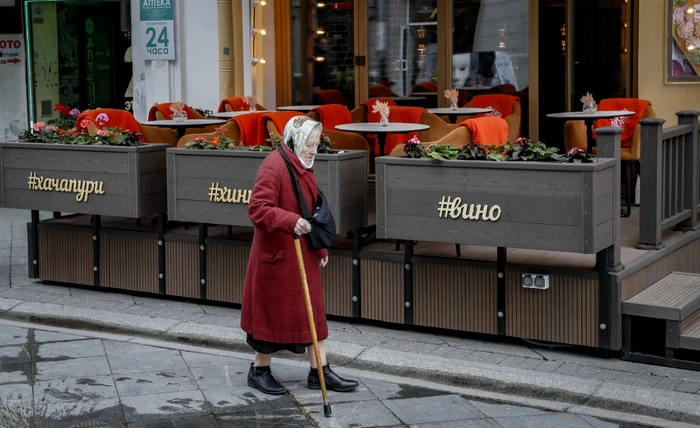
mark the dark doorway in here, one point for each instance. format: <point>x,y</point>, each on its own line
<point>552,71</point>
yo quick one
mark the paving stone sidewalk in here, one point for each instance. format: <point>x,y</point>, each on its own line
<point>58,379</point>
<point>518,369</point>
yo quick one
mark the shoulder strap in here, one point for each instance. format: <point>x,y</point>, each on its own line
<point>300,196</point>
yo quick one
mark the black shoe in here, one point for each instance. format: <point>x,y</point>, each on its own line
<point>261,378</point>
<point>333,381</point>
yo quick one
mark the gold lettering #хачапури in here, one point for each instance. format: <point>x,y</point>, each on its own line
<point>218,193</point>
<point>449,207</point>
<point>82,188</point>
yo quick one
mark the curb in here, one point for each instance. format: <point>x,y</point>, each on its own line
<point>577,392</point>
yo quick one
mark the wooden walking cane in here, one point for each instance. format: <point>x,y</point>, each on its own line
<point>312,326</point>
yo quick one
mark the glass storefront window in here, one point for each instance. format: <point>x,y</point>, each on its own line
<point>490,51</point>
<point>323,53</point>
<point>81,58</point>
<point>402,48</point>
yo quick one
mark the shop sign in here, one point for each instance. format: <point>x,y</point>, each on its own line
<point>157,29</point>
<point>11,50</point>
<point>82,188</point>
<point>449,207</point>
<point>229,196</point>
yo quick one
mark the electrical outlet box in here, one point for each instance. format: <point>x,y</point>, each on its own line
<point>535,280</point>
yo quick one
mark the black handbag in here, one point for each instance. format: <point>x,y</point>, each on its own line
<point>323,230</point>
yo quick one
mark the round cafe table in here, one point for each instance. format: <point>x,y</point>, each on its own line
<point>589,119</point>
<point>382,131</point>
<point>300,108</point>
<point>462,111</point>
<point>182,126</point>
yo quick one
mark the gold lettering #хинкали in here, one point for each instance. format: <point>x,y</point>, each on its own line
<point>449,207</point>
<point>224,194</point>
<point>82,188</point>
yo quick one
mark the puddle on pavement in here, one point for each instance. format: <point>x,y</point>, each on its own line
<point>409,391</point>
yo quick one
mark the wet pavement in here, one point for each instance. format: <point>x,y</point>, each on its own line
<point>53,379</point>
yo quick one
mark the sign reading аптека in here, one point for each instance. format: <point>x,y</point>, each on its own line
<point>157,29</point>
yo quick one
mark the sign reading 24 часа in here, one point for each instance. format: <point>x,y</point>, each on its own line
<point>157,29</point>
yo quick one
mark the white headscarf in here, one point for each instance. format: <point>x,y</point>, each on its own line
<point>297,132</point>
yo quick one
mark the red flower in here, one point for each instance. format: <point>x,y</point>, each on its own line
<point>84,123</point>
<point>215,142</point>
<point>62,109</point>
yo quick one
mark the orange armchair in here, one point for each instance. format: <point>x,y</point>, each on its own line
<point>575,136</point>
<point>236,104</point>
<point>232,131</point>
<point>162,112</point>
<point>126,120</point>
<point>506,106</point>
<point>631,150</point>
<point>458,137</point>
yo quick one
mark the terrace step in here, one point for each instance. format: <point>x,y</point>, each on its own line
<point>673,298</point>
<point>690,332</point>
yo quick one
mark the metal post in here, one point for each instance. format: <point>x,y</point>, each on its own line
<point>35,242</point>
<point>408,283</point>
<point>650,182</point>
<point>162,226</point>
<point>356,281</point>
<point>604,282</point>
<point>690,168</point>
<point>501,259</point>
<point>609,147</point>
<point>96,224</point>
<point>203,261</point>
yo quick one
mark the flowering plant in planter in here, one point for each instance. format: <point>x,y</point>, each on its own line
<point>66,117</point>
<point>107,136</point>
<point>414,148</point>
<point>522,150</point>
<point>43,133</point>
<point>525,150</point>
<point>576,155</point>
<point>442,151</point>
<point>219,142</point>
<point>326,145</point>
<point>474,151</point>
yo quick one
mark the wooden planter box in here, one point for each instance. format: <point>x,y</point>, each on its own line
<point>533,205</point>
<point>99,180</point>
<point>197,178</point>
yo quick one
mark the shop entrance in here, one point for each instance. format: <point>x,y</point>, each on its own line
<point>584,46</point>
<point>79,56</point>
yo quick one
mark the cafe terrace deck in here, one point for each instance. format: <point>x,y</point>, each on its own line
<point>614,283</point>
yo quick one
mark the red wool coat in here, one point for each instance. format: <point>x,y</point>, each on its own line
<point>273,307</point>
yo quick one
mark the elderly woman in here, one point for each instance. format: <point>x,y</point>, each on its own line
<point>274,311</point>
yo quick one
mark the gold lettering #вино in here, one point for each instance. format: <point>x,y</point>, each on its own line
<point>82,188</point>
<point>450,207</point>
<point>230,196</point>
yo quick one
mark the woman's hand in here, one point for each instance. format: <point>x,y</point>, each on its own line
<point>302,227</point>
<point>323,262</point>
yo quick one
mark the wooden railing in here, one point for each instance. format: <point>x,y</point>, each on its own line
<point>670,191</point>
